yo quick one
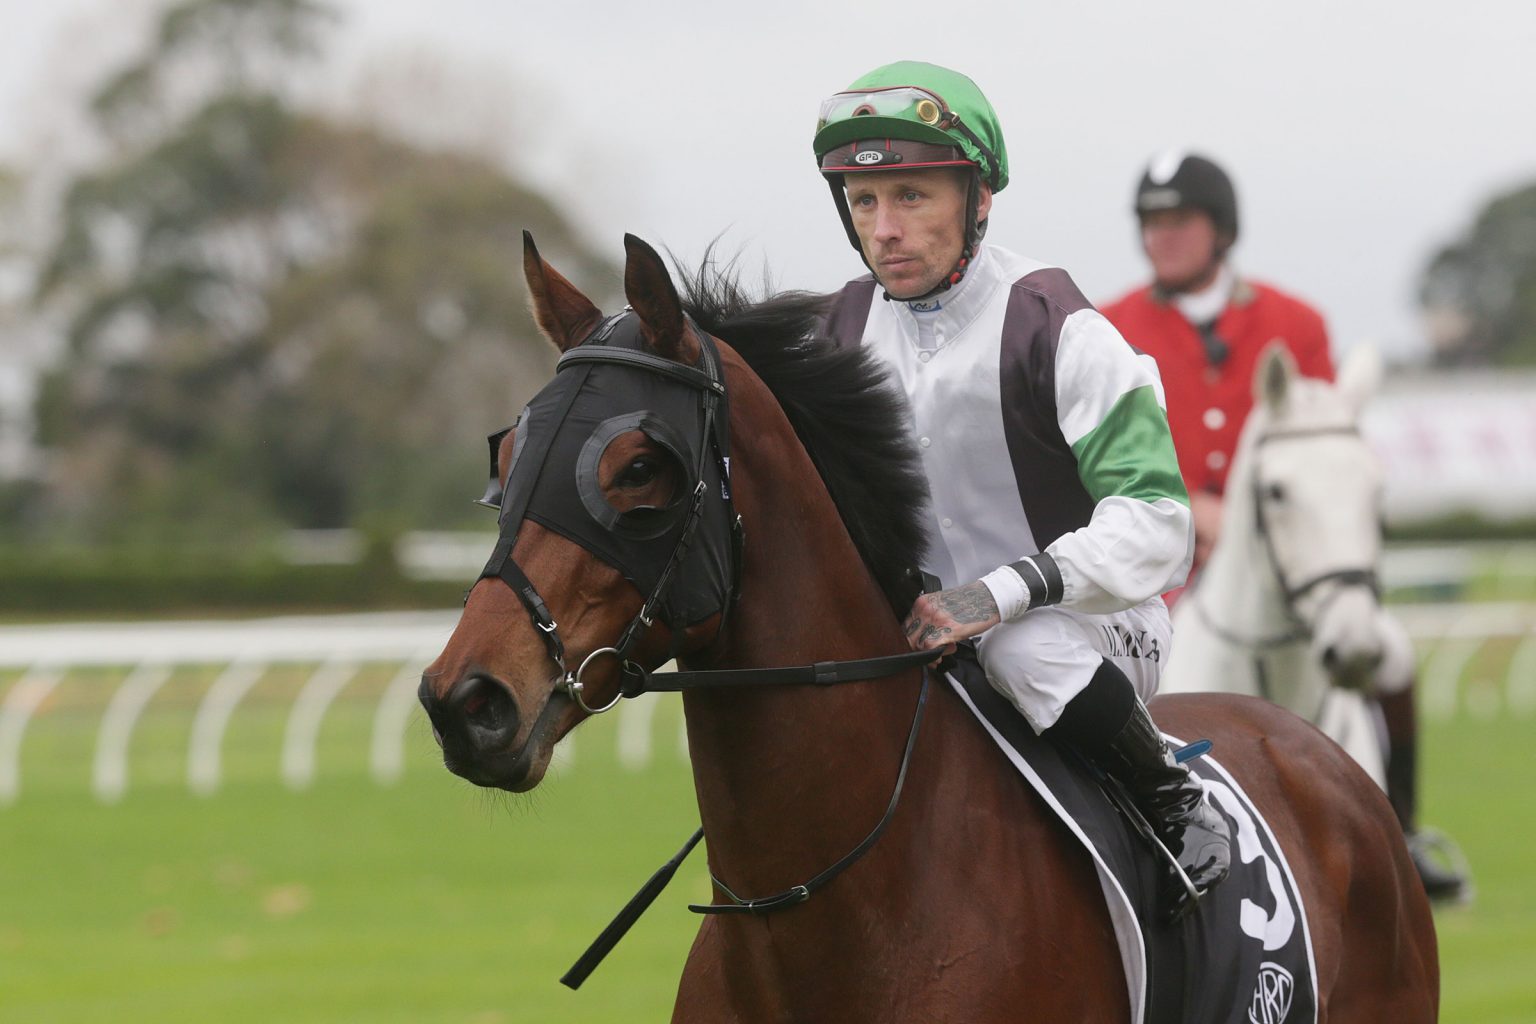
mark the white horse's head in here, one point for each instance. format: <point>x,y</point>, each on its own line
<point>1307,488</point>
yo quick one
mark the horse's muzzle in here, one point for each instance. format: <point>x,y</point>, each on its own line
<point>1351,669</point>
<point>477,723</point>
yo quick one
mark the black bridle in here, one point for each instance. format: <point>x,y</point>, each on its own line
<point>1292,593</point>
<point>713,450</point>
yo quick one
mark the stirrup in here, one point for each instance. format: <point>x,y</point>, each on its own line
<point>1186,895</point>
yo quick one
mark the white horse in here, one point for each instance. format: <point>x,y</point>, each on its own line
<point>1287,607</point>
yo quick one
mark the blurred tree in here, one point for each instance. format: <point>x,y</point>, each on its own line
<point>276,318</point>
<point>17,265</point>
<point>1479,294</point>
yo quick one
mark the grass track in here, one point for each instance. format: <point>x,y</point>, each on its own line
<point>427,901</point>
<point>430,901</point>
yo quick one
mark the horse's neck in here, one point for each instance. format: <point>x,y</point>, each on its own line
<point>1238,589</point>
<point>790,778</point>
<point>1244,635</point>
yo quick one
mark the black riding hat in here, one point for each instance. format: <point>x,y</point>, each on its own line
<point>1188,181</point>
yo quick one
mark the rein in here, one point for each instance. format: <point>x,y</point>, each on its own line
<point>635,679</point>
<point>800,893</point>
<point>822,673</point>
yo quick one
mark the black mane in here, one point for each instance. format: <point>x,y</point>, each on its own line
<point>844,409</point>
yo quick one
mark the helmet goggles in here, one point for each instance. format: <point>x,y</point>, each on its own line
<point>908,112</point>
<point>906,102</point>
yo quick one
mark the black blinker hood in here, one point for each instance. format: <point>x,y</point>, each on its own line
<point>608,385</point>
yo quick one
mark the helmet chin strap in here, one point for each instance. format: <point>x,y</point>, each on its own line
<point>973,236</point>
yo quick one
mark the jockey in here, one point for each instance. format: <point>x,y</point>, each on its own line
<point>1058,515</point>
<point>1206,327</point>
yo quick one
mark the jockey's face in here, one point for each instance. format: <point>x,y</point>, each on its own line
<point>1182,248</point>
<point>911,224</point>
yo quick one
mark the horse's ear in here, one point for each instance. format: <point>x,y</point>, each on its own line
<point>652,296</point>
<point>1359,376</point>
<point>1272,381</point>
<point>564,314</point>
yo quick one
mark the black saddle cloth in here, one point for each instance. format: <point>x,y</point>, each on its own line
<point>1244,956</point>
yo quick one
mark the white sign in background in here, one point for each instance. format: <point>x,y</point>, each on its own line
<point>1456,443</point>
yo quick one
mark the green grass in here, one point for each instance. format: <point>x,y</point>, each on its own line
<point>426,901</point>
<point>1476,788</point>
<point>431,901</point>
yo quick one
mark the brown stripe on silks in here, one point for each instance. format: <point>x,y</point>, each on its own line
<point>1054,499</point>
<point>850,312</point>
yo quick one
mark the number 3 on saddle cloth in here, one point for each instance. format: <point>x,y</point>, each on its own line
<point>1244,957</point>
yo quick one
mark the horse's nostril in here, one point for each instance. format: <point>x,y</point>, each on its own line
<point>1330,656</point>
<point>485,707</point>
<point>482,713</point>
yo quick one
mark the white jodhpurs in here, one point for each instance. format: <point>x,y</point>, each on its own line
<point>1045,658</point>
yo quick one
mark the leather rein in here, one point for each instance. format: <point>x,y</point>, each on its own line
<point>635,679</point>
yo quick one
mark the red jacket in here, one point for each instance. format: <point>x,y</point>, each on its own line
<point>1207,404</point>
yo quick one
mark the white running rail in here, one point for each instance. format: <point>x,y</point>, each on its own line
<point>303,732</point>
<point>339,645</point>
<point>21,700</point>
<point>109,771</point>
<point>1453,642</point>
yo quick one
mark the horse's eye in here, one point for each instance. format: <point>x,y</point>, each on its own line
<point>637,474</point>
<point>1275,492</point>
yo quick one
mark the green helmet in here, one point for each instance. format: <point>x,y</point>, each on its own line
<point>910,116</point>
<point>913,102</point>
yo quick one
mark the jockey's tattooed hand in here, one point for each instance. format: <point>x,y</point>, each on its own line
<point>968,604</point>
<point>938,620</point>
<point>926,635</point>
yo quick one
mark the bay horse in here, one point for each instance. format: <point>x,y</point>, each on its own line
<point>1288,608</point>
<point>976,904</point>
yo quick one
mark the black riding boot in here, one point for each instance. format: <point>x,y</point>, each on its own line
<point>1439,863</point>
<point>1108,723</point>
<point>1174,801</point>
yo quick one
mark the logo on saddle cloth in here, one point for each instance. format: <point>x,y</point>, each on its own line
<point>1272,995</point>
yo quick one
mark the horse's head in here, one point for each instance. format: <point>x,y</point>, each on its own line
<point>615,528</point>
<point>1310,495</point>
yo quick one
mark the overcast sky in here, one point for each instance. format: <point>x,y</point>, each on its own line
<point>1362,135</point>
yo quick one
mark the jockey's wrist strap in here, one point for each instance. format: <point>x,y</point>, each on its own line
<point>1043,578</point>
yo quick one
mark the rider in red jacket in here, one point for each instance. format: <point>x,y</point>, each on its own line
<point>1206,326</point>
<point>1209,398</point>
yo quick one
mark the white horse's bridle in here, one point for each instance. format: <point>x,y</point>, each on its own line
<point>1301,626</point>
